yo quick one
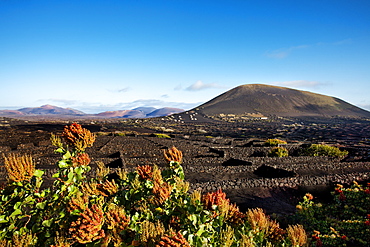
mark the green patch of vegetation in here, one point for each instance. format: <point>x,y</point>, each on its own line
<point>161,135</point>
<point>274,142</point>
<point>119,134</point>
<point>344,222</point>
<point>278,152</point>
<point>103,133</point>
<point>153,207</point>
<point>146,207</point>
<point>324,150</point>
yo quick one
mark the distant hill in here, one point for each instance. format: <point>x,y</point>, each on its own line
<point>55,111</point>
<point>10,113</point>
<point>121,114</point>
<point>44,110</point>
<point>141,112</point>
<point>164,112</point>
<point>251,100</point>
<point>145,110</point>
<point>278,101</point>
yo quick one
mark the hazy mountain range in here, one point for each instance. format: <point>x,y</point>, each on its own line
<point>257,99</point>
<point>50,110</point>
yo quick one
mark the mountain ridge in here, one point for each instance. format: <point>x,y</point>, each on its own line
<point>248,100</point>
<point>50,110</point>
<point>279,101</point>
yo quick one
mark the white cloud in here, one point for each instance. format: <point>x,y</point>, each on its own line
<point>199,85</point>
<point>339,42</point>
<point>300,83</point>
<point>11,107</point>
<point>92,108</point>
<point>284,52</point>
<point>178,87</point>
<point>343,42</point>
<point>119,90</point>
<point>157,104</point>
<point>124,90</point>
<point>366,107</point>
<point>58,102</point>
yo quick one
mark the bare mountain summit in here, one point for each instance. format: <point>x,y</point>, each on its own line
<point>50,109</point>
<point>279,101</point>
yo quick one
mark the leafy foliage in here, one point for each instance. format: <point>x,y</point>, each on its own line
<point>278,152</point>
<point>161,135</point>
<point>145,207</point>
<point>324,150</point>
<point>274,142</point>
<point>345,222</point>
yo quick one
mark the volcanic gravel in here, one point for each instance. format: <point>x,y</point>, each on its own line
<point>204,164</point>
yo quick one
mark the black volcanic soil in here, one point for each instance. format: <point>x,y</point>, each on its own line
<point>216,154</point>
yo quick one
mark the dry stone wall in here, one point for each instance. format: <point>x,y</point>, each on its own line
<point>209,163</point>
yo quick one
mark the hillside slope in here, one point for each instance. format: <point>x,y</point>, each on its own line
<point>50,109</point>
<point>279,101</point>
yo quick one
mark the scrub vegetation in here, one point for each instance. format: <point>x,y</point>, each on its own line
<point>153,206</point>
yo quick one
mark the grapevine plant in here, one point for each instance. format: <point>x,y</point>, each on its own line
<point>278,152</point>
<point>324,150</point>
<point>274,142</point>
<point>146,207</point>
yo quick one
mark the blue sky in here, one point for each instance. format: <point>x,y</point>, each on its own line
<point>115,55</point>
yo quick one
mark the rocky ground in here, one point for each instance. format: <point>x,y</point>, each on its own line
<point>216,154</point>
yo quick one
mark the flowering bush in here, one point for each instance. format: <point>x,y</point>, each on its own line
<point>345,222</point>
<point>146,207</point>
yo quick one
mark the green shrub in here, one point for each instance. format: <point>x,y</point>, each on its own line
<point>274,142</point>
<point>324,150</point>
<point>145,207</point>
<point>278,152</point>
<point>119,133</point>
<point>101,133</point>
<point>343,222</point>
<point>161,135</point>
